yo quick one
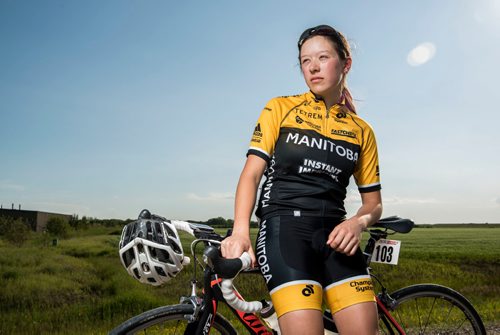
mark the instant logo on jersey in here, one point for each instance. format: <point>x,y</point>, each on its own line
<point>257,134</point>
<point>312,166</point>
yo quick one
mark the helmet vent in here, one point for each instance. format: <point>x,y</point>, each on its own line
<point>149,231</point>
<point>174,246</point>
<point>161,255</point>
<point>158,237</point>
<point>145,267</point>
<point>170,232</point>
<point>160,271</point>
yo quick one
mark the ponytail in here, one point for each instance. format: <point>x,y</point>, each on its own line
<point>348,99</point>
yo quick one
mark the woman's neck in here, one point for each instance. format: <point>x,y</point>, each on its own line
<point>332,99</point>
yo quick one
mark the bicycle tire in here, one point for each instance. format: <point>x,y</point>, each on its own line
<point>169,320</point>
<point>433,309</point>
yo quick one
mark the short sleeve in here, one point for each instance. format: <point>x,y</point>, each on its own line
<point>266,131</point>
<point>366,173</point>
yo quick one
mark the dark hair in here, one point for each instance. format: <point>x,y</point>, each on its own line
<point>341,46</point>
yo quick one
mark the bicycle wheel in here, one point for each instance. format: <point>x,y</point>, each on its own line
<point>168,320</point>
<point>432,309</point>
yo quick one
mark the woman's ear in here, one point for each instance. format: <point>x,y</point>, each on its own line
<point>347,65</point>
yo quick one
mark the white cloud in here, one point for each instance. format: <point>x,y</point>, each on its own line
<point>421,54</point>
<point>407,201</point>
<point>211,197</point>
<point>9,186</point>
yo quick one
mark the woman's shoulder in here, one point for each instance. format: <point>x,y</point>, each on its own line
<point>360,121</point>
<point>284,99</point>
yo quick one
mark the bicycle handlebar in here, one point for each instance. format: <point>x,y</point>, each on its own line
<point>183,226</point>
<point>228,269</point>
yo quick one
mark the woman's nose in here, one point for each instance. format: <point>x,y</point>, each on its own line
<point>314,67</point>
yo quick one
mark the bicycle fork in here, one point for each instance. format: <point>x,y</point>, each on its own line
<point>383,300</point>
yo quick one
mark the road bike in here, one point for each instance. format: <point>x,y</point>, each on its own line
<point>416,309</point>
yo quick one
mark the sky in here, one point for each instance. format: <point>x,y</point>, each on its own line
<point>109,107</point>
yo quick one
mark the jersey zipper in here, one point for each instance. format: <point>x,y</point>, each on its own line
<point>324,131</point>
<point>325,124</point>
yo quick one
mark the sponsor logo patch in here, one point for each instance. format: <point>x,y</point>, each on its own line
<point>346,133</point>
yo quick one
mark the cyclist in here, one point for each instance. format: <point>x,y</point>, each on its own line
<point>308,146</point>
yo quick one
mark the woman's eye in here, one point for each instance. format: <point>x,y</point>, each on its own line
<point>305,61</point>
<point>323,57</point>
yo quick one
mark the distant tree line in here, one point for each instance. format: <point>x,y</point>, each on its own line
<point>17,231</point>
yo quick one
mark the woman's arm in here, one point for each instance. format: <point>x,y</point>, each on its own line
<point>246,192</point>
<point>346,237</point>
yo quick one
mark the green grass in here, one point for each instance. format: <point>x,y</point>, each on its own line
<point>80,286</point>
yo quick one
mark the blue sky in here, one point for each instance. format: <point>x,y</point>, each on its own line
<point>108,107</point>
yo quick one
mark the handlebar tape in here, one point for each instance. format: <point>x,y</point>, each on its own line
<point>228,269</point>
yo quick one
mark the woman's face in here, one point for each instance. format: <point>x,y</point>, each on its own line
<point>322,67</point>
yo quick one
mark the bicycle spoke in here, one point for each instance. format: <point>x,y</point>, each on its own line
<point>429,316</point>
<point>431,309</point>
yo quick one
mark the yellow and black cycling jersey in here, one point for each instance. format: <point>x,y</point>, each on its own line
<point>311,153</point>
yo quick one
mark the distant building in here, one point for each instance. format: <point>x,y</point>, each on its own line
<point>36,219</point>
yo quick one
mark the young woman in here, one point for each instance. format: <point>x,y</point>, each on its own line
<point>309,145</point>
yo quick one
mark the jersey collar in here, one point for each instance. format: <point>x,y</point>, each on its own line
<point>310,96</point>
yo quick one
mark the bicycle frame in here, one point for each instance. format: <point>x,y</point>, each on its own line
<point>387,318</point>
<point>212,295</point>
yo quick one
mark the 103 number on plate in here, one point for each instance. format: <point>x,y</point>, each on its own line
<point>386,252</point>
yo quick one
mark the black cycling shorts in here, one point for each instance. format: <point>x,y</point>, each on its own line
<point>298,266</point>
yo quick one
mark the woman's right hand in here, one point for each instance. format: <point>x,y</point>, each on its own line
<point>234,245</point>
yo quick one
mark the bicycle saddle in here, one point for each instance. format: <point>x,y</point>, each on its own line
<point>395,223</point>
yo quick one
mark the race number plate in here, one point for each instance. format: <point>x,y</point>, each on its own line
<point>386,252</point>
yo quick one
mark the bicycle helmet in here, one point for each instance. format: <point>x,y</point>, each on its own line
<point>150,249</point>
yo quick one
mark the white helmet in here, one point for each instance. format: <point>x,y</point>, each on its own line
<point>150,249</point>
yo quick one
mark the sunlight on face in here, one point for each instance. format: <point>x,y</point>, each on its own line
<point>421,54</point>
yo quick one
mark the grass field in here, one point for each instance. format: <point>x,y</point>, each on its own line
<point>80,287</point>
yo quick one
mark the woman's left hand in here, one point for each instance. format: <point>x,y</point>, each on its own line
<point>346,236</point>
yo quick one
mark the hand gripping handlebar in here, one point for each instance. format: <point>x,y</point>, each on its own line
<point>229,269</point>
